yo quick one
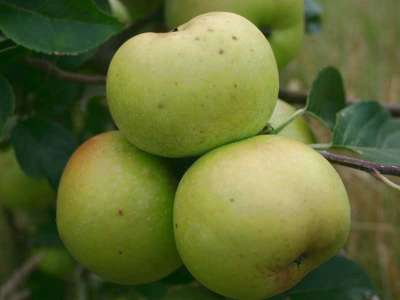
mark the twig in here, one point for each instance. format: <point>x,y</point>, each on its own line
<point>52,69</point>
<point>299,98</point>
<point>361,164</point>
<point>19,277</point>
<point>385,180</point>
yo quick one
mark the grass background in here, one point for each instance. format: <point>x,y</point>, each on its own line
<point>362,39</point>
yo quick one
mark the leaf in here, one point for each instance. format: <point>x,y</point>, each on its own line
<point>313,14</point>
<point>7,102</point>
<point>369,130</point>
<point>56,27</point>
<point>45,233</point>
<point>337,279</point>
<point>97,118</point>
<point>42,148</point>
<point>327,96</point>
<point>54,288</point>
<point>103,5</point>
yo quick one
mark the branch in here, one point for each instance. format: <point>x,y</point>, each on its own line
<point>19,276</point>
<point>54,70</point>
<point>360,164</point>
<point>299,98</point>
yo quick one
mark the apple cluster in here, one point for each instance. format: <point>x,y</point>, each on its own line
<point>251,216</point>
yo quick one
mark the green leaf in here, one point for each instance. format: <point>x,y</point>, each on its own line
<point>337,279</point>
<point>56,27</point>
<point>54,287</point>
<point>42,148</point>
<point>7,102</point>
<point>369,130</point>
<point>46,233</point>
<point>103,5</point>
<point>327,96</point>
<point>97,118</point>
<point>313,15</point>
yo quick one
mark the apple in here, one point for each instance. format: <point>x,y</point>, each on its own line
<point>297,130</point>
<point>55,261</point>
<point>114,211</point>
<point>129,11</point>
<point>212,81</point>
<point>7,248</point>
<point>191,292</point>
<point>283,19</point>
<point>254,217</point>
<point>19,191</point>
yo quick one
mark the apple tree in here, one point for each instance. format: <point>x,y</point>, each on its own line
<point>148,151</point>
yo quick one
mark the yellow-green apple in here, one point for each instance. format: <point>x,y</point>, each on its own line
<point>252,218</point>
<point>19,191</point>
<point>282,20</point>
<point>297,130</point>
<point>114,211</point>
<point>212,81</point>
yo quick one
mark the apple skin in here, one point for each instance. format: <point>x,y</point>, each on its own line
<point>297,130</point>
<point>183,93</point>
<point>8,257</point>
<point>129,11</point>
<point>284,18</point>
<point>254,217</point>
<point>19,191</point>
<point>114,211</point>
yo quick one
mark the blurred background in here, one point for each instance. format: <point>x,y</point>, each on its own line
<point>362,39</point>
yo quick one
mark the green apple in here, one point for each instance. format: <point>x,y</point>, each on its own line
<point>19,191</point>
<point>129,11</point>
<point>7,248</point>
<point>191,293</point>
<point>55,261</point>
<point>254,217</point>
<point>114,211</point>
<point>282,19</point>
<point>182,93</point>
<point>297,130</point>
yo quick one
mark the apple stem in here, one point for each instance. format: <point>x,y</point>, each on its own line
<point>295,115</point>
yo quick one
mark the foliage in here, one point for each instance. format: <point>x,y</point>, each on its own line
<point>366,128</point>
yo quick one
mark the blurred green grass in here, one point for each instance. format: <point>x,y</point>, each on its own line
<point>362,39</point>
